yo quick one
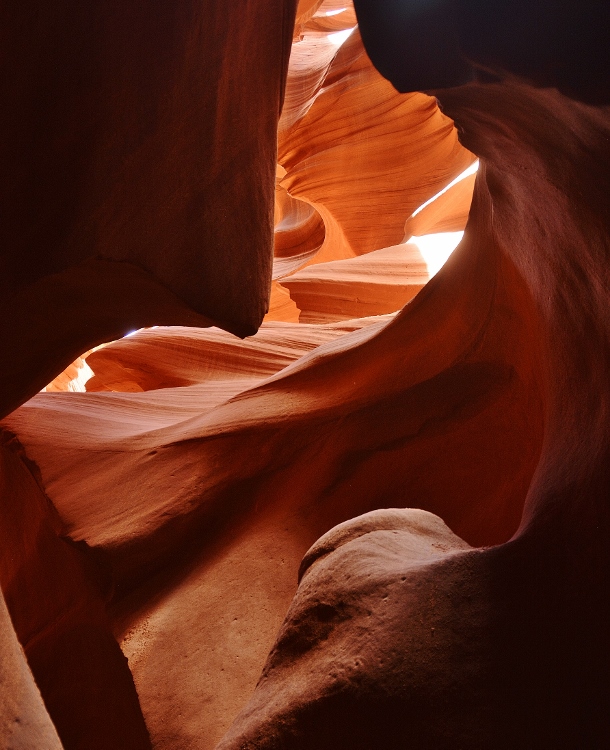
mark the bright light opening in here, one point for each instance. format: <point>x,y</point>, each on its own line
<point>78,383</point>
<point>338,37</point>
<point>466,173</point>
<point>436,248</point>
<point>332,12</point>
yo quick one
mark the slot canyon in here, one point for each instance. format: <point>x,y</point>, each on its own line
<point>305,384</point>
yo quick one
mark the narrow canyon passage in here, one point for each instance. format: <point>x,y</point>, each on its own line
<point>161,493</point>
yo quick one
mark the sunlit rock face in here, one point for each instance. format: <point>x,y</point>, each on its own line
<point>168,410</point>
<point>400,633</point>
<point>138,180</point>
<point>439,448</point>
<point>383,152</point>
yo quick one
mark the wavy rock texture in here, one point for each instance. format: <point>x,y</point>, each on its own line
<point>190,471</point>
<point>169,508</point>
<point>401,633</point>
<point>379,282</point>
<point>383,152</point>
<point>173,357</point>
<point>131,193</point>
<point>123,203</point>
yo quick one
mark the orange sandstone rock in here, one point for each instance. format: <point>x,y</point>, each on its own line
<point>446,213</point>
<point>379,282</point>
<point>138,174</point>
<point>441,472</point>
<point>364,156</point>
<point>56,596</point>
<point>73,378</point>
<point>299,233</point>
<point>333,16</point>
<point>174,357</point>
<point>400,632</point>
<point>211,522</point>
<point>281,305</point>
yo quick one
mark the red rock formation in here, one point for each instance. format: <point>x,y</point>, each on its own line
<point>299,232</point>
<point>174,357</point>
<point>56,597</point>
<point>23,716</point>
<point>137,169</point>
<point>348,139</point>
<point>137,189</point>
<point>158,533</point>
<point>399,632</point>
<point>281,305</point>
<point>265,508</point>
<point>171,508</point>
<point>379,282</point>
<point>73,378</point>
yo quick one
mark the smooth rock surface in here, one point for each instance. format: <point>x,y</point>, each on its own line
<point>437,477</point>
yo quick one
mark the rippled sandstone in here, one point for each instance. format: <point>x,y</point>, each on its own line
<point>445,465</point>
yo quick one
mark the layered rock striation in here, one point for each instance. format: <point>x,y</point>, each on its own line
<point>379,521</point>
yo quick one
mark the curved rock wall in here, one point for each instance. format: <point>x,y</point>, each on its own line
<point>138,153</point>
<point>400,632</point>
<point>444,461</point>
